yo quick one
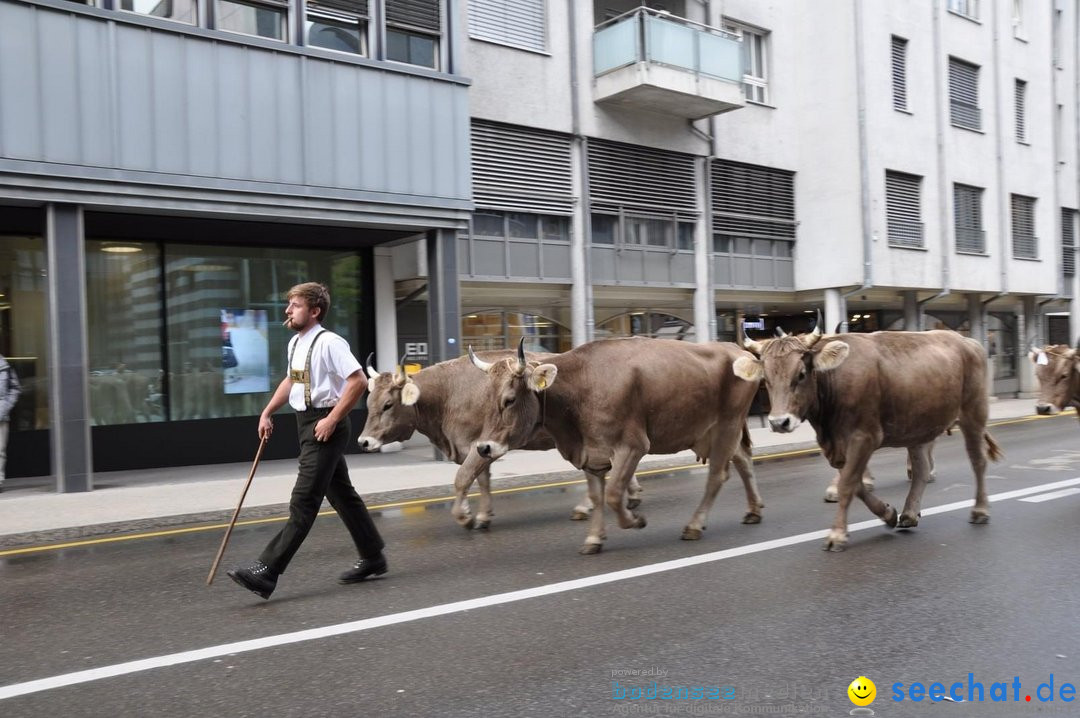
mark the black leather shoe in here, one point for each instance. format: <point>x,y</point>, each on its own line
<point>364,568</point>
<point>257,578</point>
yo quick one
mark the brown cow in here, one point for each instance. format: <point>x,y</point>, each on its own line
<point>864,391</point>
<point>443,402</point>
<point>1057,367</point>
<point>616,400</point>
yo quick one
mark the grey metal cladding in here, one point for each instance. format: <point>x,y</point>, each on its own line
<point>520,169</point>
<point>118,99</point>
<point>641,180</point>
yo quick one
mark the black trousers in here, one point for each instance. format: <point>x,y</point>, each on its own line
<point>323,473</point>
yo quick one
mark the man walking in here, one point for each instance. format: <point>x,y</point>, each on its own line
<point>9,394</point>
<point>323,383</point>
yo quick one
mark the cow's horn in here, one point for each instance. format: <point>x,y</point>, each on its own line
<point>521,356</point>
<point>753,346</point>
<point>812,339</point>
<point>839,326</point>
<point>371,371</point>
<point>477,361</point>
<point>780,333</point>
<point>401,377</point>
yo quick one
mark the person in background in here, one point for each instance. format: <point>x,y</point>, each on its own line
<point>9,394</point>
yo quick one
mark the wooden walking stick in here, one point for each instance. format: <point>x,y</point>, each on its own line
<point>228,531</point>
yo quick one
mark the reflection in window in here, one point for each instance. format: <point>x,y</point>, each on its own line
<point>411,47</point>
<point>23,293</point>
<point>252,19</point>
<point>337,25</point>
<point>604,228</point>
<point>180,10</point>
<point>502,330</point>
<point>521,225</point>
<point>657,325</point>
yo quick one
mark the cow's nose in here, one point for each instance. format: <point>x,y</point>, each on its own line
<point>1043,409</point>
<point>781,424</point>
<point>483,448</point>
<point>368,444</point>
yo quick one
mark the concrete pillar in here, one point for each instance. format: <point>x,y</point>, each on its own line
<point>580,309</point>
<point>69,397</point>
<point>444,305</point>
<point>834,311</point>
<point>1030,333</point>
<point>912,312</point>
<point>977,318</point>
<point>386,343</point>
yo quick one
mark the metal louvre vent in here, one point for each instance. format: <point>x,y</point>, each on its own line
<point>520,23</point>
<point>967,212</point>
<point>641,180</point>
<point>964,94</point>
<point>521,169</point>
<point>419,14</point>
<point>1025,243</point>
<point>1068,241</point>
<point>358,8</point>
<point>902,209</point>
<point>1021,121</point>
<point>899,73</point>
<point>753,201</point>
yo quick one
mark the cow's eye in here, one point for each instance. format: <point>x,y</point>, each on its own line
<point>802,373</point>
<point>388,406</point>
<point>508,401</point>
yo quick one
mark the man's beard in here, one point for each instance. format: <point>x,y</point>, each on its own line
<point>295,327</point>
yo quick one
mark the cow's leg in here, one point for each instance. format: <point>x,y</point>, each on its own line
<point>594,541</point>
<point>832,494</point>
<point>623,465</point>
<point>744,464</point>
<point>720,454</point>
<point>919,463</point>
<point>974,431</point>
<point>931,477</point>
<point>484,513</point>
<point>858,451</point>
<point>583,509</point>
<point>466,474</point>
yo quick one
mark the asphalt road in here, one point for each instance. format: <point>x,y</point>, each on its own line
<point>751,620</point>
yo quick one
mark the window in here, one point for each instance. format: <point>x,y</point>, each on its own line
<point>179,10</point>
<point>899,73</point>
<point>640,231</point>
<point>340,25</point>
<point>23,332</point>
<point>657,325</point>
<point>497,329</point>
<point>253,18</point>
<point>1068,241</point>
<point>902,209</point>
<point>755,58</point>
<point>521,225</point>
<point>412,32</point>
<point>967,216</point>
<point>967,8</point>
<point>1025,243</point>
<point>964,95</point>
<point>1021,111</point>
<point>752,202</point>
<point>521,23</point>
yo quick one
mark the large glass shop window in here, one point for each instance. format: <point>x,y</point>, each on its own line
<point>22,327</point>
<point>180,332</point>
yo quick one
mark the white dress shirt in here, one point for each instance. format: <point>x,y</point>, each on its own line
<point>332,363</point>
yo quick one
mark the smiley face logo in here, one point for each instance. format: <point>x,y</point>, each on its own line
<point>862,691</point>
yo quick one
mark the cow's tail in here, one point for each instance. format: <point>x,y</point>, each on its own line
<point>992,449</point>
<point>746,442</point>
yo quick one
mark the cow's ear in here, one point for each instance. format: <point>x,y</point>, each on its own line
<point>748,368</point>
<point>541,377</point>
<point>410,394</point>
<point>832,356</point>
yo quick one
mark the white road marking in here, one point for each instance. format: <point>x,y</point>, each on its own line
<point>1051,496</point>
<point>228,649</point>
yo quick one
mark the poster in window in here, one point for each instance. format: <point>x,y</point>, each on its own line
<point>245,351</point>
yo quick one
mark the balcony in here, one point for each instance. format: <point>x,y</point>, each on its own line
<point>650,60</point>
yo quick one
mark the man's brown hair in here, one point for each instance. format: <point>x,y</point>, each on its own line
<point>315,294</point>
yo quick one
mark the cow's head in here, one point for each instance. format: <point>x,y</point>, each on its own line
<point>790,365</point>
<point>1057,368</point>
<point>390,404</point>
<point>512,401</point>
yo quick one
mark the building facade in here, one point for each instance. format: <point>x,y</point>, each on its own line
<point>469,172</point>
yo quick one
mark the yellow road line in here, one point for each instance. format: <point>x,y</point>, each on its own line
<point>438,500</point>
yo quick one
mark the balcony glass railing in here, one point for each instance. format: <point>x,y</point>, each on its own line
<point>646,35</point>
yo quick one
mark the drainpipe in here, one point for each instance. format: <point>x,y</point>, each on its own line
<point>999,150</point>
<point>864,166</point>
<point>1074,313</point>
<point>581,300</point>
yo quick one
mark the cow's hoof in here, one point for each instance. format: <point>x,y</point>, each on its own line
<point>639,522</point>
<point>633,503</point>
<point>751,518</point>
<point>482,525</point>
<point>691,534</point>
<point>579,515</point>
<point>836,541</point>
<point>890,517</point>
<point>907,521</point>
<point>590,549</point>
<point>831,495</point>
<point>979,516</point>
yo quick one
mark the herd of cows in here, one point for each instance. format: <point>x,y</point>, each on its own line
<point>606,404</point>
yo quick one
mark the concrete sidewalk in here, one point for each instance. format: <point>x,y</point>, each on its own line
<point>31,512</point>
